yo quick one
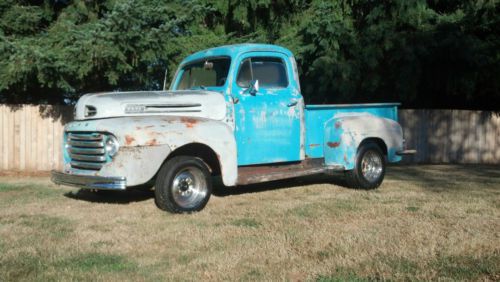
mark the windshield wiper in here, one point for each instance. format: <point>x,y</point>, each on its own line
<point>198,87</point>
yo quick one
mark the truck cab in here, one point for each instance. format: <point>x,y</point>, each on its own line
<point>233,111</point>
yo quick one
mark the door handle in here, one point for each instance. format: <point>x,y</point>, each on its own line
<point>293,103</point>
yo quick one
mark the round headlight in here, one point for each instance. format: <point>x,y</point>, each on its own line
<point>112,146</point>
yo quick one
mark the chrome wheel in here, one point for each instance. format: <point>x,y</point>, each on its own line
<point>189,187</point>
<point>371,166</point>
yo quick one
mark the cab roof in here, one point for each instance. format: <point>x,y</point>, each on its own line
<point>235,50</point>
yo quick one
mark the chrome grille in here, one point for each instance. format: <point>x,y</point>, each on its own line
<point>86,150</point>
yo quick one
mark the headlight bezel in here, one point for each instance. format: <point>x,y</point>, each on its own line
<point>111,146</point>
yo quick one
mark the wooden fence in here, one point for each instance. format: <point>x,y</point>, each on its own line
<point>452,136</point>
<point>30,136</point>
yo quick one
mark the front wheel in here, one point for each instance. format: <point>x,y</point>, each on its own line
<point>369,169</point>
<point>183,185</point>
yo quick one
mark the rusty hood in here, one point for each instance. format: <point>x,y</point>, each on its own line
<point>195,103</point>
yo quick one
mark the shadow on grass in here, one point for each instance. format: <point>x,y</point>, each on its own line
<point>110,197</point>
<point>219,190</point>
<point>439,178</point>
<point>434,178</point>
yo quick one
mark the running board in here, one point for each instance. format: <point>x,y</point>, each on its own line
<point>406,152</point>
<point>264,173</point>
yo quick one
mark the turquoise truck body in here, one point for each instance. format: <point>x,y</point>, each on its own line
<point>239,110</point>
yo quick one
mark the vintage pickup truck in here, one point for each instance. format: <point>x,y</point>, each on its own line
<point>232,111</point>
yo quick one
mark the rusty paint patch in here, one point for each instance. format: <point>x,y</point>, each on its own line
<point>168,120</point>
<point>338,124</point>
<point>152,142</point>
<point>129,139</point>
<point>333,144</point>
<point>154,134</point>
<point>189,122</point>
<point>313,145</point>
<point>345,159</point>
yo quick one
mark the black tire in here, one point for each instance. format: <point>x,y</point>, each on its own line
<point>183,185</point>
<point>369,169</point>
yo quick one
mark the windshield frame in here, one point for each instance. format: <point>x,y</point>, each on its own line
<point>180,71</point>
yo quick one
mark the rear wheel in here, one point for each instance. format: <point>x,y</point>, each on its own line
<point>183,185</point>
<point>369,169</point>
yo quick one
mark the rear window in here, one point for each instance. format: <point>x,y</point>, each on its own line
<point>269,71</point>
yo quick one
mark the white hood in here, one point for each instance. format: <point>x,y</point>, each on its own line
<point>196,103</point>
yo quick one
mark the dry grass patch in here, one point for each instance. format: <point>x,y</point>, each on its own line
<point>425,222</point>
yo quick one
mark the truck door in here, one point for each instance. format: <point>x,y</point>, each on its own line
<point>267,120</point>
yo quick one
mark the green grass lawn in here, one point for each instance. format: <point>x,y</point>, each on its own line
<point>424,222</point>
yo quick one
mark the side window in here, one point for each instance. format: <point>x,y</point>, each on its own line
<point>270,72</point>
<point>245,74</point>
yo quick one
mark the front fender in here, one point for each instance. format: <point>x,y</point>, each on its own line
<point>343,135</point>
<point>145,142</point>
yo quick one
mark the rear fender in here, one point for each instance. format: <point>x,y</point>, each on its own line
<point>344,134</point>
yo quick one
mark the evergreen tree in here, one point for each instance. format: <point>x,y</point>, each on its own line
<point>428,54</point>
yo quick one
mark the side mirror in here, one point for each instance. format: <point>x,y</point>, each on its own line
<point>253,88</point>
<point>165,80</point>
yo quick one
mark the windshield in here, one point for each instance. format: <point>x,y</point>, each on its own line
<point>206,73</point>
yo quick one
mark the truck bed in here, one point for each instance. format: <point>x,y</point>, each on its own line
<point>317,115</point>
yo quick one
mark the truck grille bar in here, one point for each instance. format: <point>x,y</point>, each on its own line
<point>86,165</point>
<point>86,150</point>
<point>90,151</point>
<point>87,137</point>
<point>88,158</point>
<point>86,144</point>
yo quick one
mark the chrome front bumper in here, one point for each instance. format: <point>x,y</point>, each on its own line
<point>89,182</point>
